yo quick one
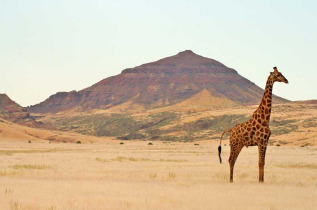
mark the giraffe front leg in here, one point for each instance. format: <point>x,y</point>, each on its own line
<point>262,151</point>
<point>234,152</point>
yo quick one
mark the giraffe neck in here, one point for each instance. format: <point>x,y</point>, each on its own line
<point>264,110</point>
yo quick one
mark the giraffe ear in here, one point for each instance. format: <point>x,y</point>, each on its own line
<point>275,69</point>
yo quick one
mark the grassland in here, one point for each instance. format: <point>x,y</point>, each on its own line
<point>164,175</point>
<point>157,159</point>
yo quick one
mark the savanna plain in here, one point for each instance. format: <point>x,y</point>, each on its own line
<point>114,174</point>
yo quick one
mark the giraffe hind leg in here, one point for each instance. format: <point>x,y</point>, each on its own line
<point>234,152</point>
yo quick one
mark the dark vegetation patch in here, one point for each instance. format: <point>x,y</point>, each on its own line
<point>128,127</point>
<point>123,126</point>
<point>131,136</point>
<point>310,122</point>
<point>281,142</point>
<point>305,145</point>
<point>204,127</point>
<point>279,127</point>
<point>152,127</point>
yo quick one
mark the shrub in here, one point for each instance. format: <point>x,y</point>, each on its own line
<point>121,143</point>
<point>150,143</point>
<point>78,142</point>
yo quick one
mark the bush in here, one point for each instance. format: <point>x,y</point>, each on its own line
<point>29,142</point>
<point>121,143</point>
<point>150,143</point>
<point>78,142</point>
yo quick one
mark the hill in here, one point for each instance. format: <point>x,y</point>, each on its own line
<point>165,82</point>
<point>10,131</point>
<point>313,101</point>
<point>10,110</point>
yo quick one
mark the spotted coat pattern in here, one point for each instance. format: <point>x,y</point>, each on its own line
<point>256,131</point>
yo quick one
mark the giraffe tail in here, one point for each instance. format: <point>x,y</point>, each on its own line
<point>219,147</point>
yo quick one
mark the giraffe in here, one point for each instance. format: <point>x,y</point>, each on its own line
<point>255,131</point>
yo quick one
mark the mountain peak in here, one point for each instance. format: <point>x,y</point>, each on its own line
<point>183,60</point>
<point>186,52</point>
<point>188,57</point>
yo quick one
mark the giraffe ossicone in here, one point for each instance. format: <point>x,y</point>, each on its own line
<point>255,131</point>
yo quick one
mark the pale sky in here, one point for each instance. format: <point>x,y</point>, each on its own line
<point>63,45</point>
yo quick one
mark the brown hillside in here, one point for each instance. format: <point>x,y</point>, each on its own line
<point>306,102</point>
<point>162,83</point>
<point>10,110</point>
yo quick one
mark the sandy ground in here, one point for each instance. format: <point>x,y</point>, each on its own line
<point>135,175</point>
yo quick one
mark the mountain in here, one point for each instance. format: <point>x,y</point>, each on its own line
<point>162,83</point>
<point>11,111</point>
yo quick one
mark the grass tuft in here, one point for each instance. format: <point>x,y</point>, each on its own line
<point>14,205</point>
<point>153,176</point>
<point>171,175</point>
<point>32,167</point>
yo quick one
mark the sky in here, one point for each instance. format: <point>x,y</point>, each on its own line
<point>63,45</point>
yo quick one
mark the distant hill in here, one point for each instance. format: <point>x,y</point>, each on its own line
<point>11,111</point>
<point>306,102</point>
<point>165,82</point>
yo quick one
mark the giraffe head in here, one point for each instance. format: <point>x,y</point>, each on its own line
<point>278,76</point>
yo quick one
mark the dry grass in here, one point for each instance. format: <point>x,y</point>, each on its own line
<point>31,167</point>
<point>298,165</point>
<point>164,176</point>
<point>9,173</point>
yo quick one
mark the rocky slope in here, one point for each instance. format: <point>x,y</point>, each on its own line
<point>10,110</point>
<point>162,83</point>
